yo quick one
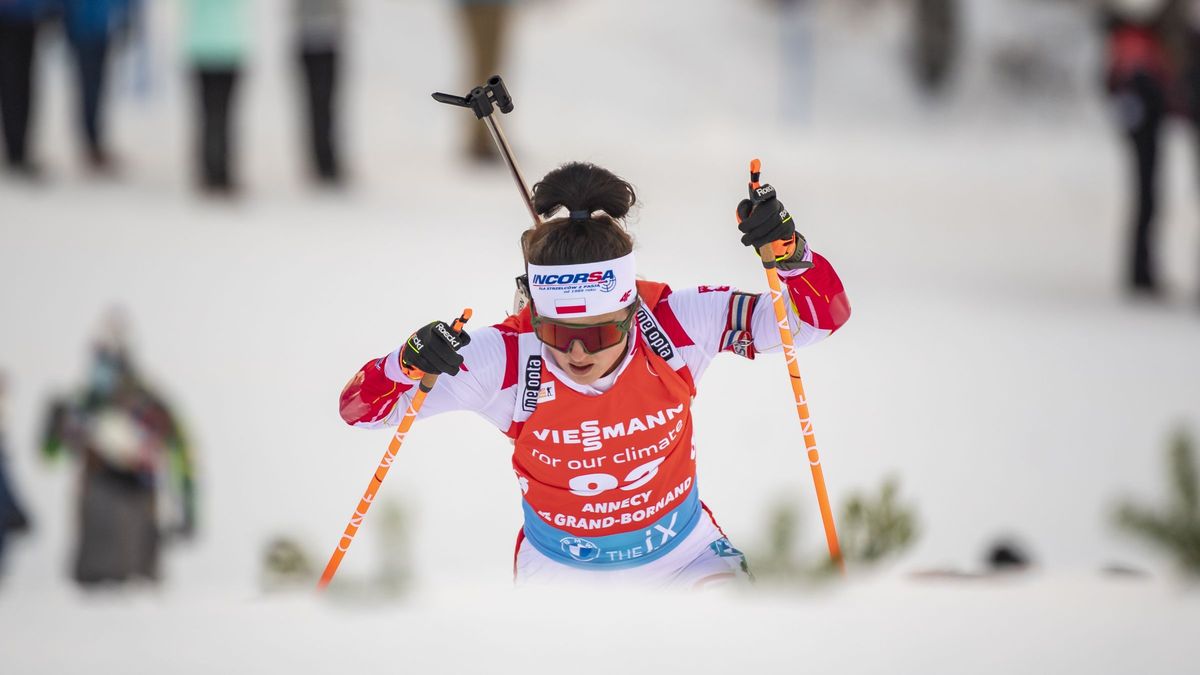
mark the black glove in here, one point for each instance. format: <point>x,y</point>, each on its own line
<point>433,349</point>
<point>763,219</point>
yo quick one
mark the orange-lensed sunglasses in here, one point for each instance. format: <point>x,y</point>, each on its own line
<point>594,337</point>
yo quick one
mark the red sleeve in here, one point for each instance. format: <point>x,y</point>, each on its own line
<point>818,295</point>
<point>370,395</point>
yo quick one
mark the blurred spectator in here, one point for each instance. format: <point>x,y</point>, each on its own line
<point>18,34</point>
<point>795,21</point>
<point>1153,70</point>
<point>935,43</point>
<point>129,446</point>
<point>217,41</point>
<point>93,27</point>
<point>12,517</point>
<point>485,23</point>
<point>320,25</point>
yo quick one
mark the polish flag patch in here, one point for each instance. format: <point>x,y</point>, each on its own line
<point>573,306</point>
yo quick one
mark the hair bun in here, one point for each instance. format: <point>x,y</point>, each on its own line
<point>583,187</point>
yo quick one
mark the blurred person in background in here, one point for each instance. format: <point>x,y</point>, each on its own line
<point>935,43</point>
<point>1153,71</point>
<point>19,21</point>
<point>485,26</point>
<point>320,28</point>
<point>93,28</point>
<point>12,516</point>
<point>597,350</point>
<point>135,466</point>
<point>217,36</point>
<point>794,19</point>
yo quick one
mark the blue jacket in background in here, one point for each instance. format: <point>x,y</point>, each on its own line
<point>25,11</point>
<point>95,20</point>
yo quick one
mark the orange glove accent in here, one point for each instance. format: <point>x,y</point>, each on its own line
<point>784,249</point>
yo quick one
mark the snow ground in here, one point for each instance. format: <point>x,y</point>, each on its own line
<point>990,363</point>
<point>1032,625</point>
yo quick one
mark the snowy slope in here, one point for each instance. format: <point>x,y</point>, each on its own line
<point>1038,625</point>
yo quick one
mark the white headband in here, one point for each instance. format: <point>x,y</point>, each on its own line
<point>590,289</point>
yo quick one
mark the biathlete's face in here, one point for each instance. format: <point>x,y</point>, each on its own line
<point>589,348</point>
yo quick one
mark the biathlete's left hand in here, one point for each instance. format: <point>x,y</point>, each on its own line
<point>763,220</point>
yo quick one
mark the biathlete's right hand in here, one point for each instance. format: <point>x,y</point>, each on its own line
<point>433,349</point>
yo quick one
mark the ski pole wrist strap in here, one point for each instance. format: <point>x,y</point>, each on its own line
<point>790,255</point>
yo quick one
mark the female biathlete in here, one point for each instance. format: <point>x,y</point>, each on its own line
<point>593,382</point>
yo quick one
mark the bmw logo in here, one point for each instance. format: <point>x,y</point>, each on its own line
<point>579,549</point>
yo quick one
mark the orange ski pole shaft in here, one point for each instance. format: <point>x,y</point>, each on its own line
<point>381,471</point>
<point>768,255</point>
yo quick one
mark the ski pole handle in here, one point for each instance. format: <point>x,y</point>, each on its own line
<point>765,251</point>
<point>768,255</point>
<point>389,457</point>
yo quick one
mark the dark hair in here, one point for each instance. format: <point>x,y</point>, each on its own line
<point>579,186</point>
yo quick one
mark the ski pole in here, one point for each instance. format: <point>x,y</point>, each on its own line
<point>389,457</point>
<point>768,255</point>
